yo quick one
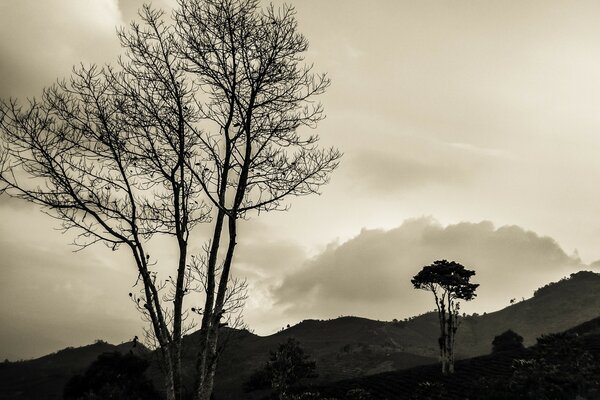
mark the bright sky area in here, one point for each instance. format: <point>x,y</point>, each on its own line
<point>470,131</point>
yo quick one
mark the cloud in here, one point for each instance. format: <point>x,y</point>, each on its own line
<point>385,171</point>
<point>397,157</point>
<point>50,297</point>
<point>370,274</point>
<point>41,41</point>
<point>263,260</point>
<point>129,8</point>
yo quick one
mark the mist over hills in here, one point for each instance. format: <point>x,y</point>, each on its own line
<point>343,348</point>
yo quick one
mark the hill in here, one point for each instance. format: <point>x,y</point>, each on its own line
<point>344,348</point>
<point>45,377</point>
<point>475,378</point>
<point>555,307</point>
<point>349,347</point>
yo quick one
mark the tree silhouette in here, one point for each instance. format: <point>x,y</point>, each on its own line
<point>560,368</point>
<point>449,282</point>
<point>112,376</point>
<point>287,366</point>
<point>197,123</point>
<point>506,341</point>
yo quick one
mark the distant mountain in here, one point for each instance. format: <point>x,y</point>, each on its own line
<point>45,377</point>
<point>344,348</point>
<point>555,307</point>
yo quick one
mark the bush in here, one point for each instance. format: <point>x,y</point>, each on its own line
<point>507,341</point>
<point>112,376</point>
<point>286,367</point>
<point>560,369</point>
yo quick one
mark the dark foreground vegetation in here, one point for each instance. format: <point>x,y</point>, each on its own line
<point>559,366</point>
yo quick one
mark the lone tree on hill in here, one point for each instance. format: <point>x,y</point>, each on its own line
<point>196,123</point>
<point>449,282</point>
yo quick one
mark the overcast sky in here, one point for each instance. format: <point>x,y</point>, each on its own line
<point>471,131</point>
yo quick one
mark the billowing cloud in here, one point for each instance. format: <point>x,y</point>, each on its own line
<point>263,260</point>
<point>370,274</point>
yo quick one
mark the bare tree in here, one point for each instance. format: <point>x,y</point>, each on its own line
<point>248,64</point>
<point>197,123</point>
<point>104,153</point>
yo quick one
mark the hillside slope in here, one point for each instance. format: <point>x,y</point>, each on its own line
<point>347,347</point>
<point>45,377</point>
<point>473,376</point>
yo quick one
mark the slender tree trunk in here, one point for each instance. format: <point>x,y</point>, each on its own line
<point>206,389</point>
<point>176,345</point>
<point>176,367</point>
<point>170,388</point>
<point>208,361</point>
<point>444,356</point>
<point>449,351</point>
<point>443,340</point>
<point>208,312</point>
<point>447,341</point>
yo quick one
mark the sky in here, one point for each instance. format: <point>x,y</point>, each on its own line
<point>470,131</point>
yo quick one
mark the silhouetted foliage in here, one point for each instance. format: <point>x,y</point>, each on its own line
<point>358,394</point>
<point>112,376</point>
<point>561,368</point>
<point>556,286</point>
<point>449,282</point>
<point>506,341</point>
<point>287,367</point>
<point>259,379</point>
<point>427,390</point>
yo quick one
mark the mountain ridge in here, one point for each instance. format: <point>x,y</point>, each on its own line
<point>346,347</point>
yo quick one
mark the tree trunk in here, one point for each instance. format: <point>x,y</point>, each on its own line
<point>170,388</point>
<point>445,359</point>
<point>207,367</point>
<point>447,342</point>
<point>176,368</point>
<point>206,388</point>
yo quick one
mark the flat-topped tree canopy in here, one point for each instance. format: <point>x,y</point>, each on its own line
<point>447,276</point>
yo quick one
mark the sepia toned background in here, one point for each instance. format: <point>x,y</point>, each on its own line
<point>471,131</point>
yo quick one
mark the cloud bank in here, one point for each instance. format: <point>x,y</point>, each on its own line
<point>370,274</point>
